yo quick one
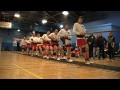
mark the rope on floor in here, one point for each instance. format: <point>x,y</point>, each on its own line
<point>114,68</point>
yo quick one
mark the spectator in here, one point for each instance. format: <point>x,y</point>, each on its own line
<point>91,42</point>
<point>96,48</point>
<point>101,42</point>
<point>111,45</point>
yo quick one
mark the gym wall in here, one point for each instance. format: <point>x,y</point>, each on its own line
<point>109,23</point>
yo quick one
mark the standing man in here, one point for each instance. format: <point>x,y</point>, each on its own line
<point>96,48</point>
<point>65,36</point>
<point>91,42</point>
<point>18,45</point>
<point>111,45</point>
<point>79,30</point>
<point>102,42</point>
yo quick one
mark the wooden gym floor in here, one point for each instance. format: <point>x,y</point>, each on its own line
<point>18,66</point>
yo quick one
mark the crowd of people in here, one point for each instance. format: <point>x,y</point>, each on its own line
<point>99,47</point>
<point>48,45</point>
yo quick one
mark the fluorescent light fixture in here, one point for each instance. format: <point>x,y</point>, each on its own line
<point>65,13</point>
<point>44,21</point>
<point>61,26</point>
<point>17,15</point>
<point>18,30</point>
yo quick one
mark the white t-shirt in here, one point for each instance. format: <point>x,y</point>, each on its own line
<point>23,42</point>
<point>45,37</point>
<point>28,41</point>
<point>78,29</point>
<point>33,39</point>
<point>64,32</point>
<point>39,40</point>
<point>55,37</point>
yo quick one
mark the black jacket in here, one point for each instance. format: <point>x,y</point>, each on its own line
<point>102,41</point>
<point>111,40</point>
<point>91,39</point>
<point>96,42</point>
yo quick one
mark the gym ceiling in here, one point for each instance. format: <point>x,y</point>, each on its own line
<point>36,17</point>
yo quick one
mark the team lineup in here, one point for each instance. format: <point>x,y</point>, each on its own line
<point>48,43</point>
<point>60,44</point>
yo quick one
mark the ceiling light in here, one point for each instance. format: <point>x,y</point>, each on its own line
<point>65,13</point>
<point>3,13</point>
<point>33,32</point>
<point>44,21</point>
<point>61,26</point>
<point>17,15</point>
<point>18,30</point>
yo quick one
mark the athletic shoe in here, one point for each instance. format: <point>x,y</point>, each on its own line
<point>69,60</point>
<point>91,62</point>
<point>44,56</point>
<point>47,57</point>
<point>63,57</point>
<point>58,59</point>
<point>54,57</point>
<point>36,54</point>
<point>87,62</point>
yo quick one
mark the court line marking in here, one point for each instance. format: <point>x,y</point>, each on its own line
<point>28,71</point>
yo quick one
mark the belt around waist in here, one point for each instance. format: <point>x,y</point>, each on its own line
<point>65,38</point>
<point>46,43</point>
<point>34,43</point>
<point>39,43</point>
<point>68,39</point>
<point>80,36</point>
<point>54,41</point>
<point>28,44</point>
